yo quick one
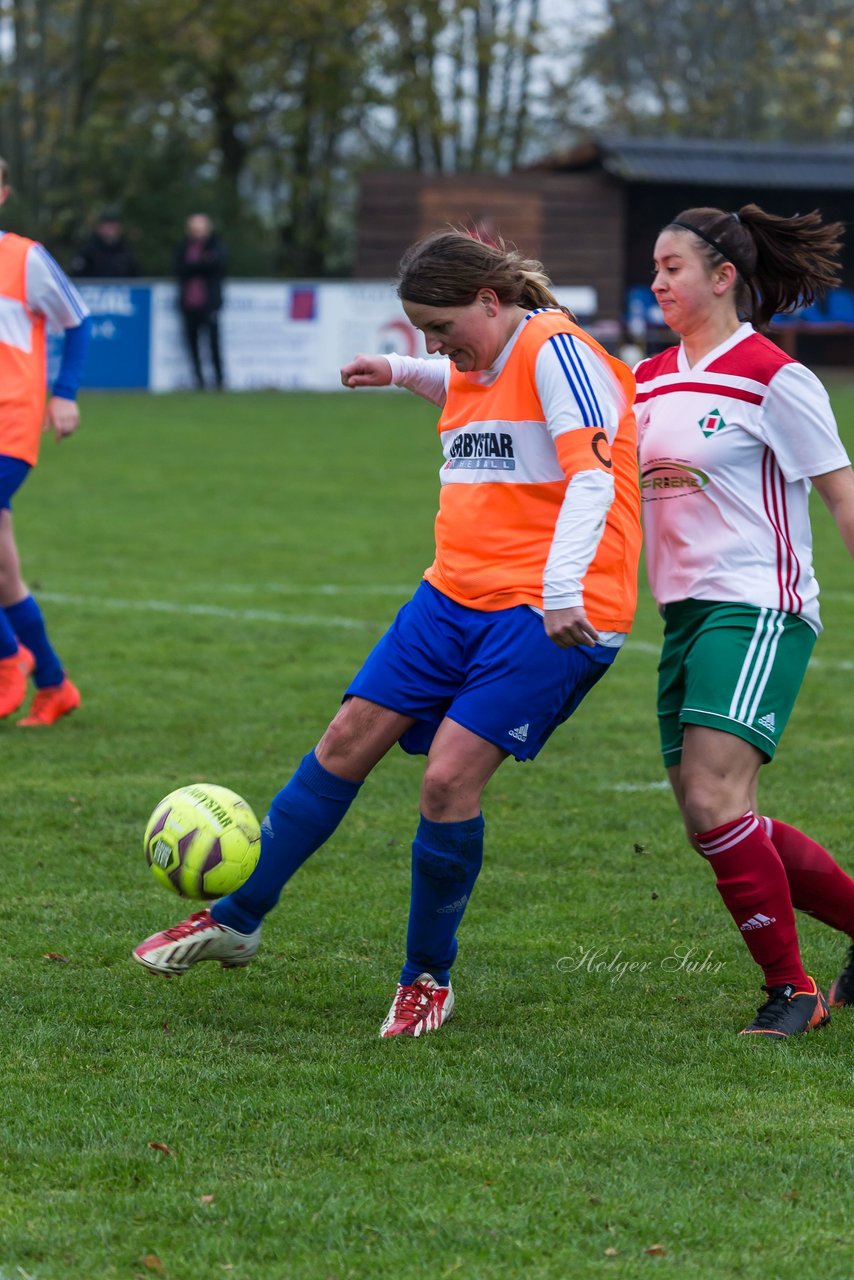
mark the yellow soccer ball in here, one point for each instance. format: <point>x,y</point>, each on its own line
<point>202,841</point>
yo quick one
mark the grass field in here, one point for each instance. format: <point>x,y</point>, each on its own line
<point>213,570</point>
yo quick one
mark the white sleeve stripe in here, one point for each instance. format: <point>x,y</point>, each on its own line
<point>584,395</point>
<point>69,293</point>
<point>585,373</point>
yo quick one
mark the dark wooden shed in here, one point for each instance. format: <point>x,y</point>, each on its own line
<point>572,222</point>
<point>592,213</point>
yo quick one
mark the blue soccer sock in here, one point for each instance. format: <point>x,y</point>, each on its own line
<point>302,817</point>
<point>25,619</point>
<point>446,861</point>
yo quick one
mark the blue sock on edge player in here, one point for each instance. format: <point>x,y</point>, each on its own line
<point>302,817</point>
<point>25,619</point>
<point>446,861</point>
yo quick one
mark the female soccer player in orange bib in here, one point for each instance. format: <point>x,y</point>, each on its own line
<point>531,593</point>
<point>33,292</point>
<point>732,435</point>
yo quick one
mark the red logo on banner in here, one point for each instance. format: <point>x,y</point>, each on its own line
<point>303,303</point>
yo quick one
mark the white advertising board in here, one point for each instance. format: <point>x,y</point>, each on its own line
<point>295,335</point>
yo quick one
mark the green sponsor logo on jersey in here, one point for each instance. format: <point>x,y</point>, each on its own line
<point>711,423</point>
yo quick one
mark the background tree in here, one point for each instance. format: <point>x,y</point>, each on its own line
<point>262,115</point>
<point>457,78</point>
<point>265,114</point>
<point>758,69</point>
<point>170,106</point>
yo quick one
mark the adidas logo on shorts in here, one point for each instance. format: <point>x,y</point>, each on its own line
<point>520,733</point>
<point>768,722</point>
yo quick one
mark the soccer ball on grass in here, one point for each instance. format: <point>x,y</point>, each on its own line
<point>202,841</point>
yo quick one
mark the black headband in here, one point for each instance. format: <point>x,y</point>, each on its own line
<point>689,226</point>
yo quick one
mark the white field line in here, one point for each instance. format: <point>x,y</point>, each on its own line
<point>304,619</point>
<point>315,589</point>
<point>636,786</point>
<point>204,611</point>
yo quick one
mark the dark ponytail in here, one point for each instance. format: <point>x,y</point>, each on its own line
<point>782,263</point>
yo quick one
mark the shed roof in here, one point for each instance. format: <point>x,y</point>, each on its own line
<point>726,163</point>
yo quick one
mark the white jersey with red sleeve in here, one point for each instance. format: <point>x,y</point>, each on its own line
<point>727,448</point>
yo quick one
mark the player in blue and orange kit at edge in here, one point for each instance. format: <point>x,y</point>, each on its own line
<point>530,596</point>
<point>33,292</point>
<point>732,435</point>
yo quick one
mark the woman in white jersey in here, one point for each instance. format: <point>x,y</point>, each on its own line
<point>732,434</point>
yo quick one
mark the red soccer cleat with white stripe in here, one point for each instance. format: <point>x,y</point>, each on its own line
<point>199,937</point>
<point>417,1008</point>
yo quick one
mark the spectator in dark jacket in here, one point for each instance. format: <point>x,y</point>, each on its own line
<point>105,254</point>
<point>200,268</point>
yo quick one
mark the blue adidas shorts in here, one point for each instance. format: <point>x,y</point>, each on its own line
<point>497,674</point>
<point>13,473</point>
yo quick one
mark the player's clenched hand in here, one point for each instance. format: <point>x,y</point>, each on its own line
<point>367,371</point>
<point>61,416</point>
<point>568,627</point>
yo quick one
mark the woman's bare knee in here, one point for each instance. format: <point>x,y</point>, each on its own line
<point>12,586</point>
<point>447,796</point>
<point>358,737</point>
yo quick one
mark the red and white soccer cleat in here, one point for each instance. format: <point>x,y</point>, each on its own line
<point>417,1008</point>
<point>51,704</point>
<point>199,937</point>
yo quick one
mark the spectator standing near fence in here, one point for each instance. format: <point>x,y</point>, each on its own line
<point>105,254</point>
<point>733,433</point>
<point>33,292</point>
<point>200,268</point>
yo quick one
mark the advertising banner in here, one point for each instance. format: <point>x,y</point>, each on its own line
<point>285,335</point>
<point>289,335</point>
<point>118,355</point>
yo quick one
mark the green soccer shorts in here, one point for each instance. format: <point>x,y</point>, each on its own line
<point>731,667</point>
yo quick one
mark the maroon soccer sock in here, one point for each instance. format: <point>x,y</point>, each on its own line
<point>817,884</point>
<point>752,881</point>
